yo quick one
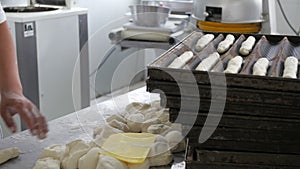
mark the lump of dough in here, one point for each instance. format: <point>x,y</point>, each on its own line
<point>8,154</point>
<point>163,115</point>
<point>290,67</point>
<point>260,67</point>
<point>55,151</point>
<point>116,117</point>
<point>183,59</point>
<point>208,62</point>
<point>150,122</point>
<point>90,159</point>
<point>136,107</point>
<point>158,128</point>
<point>203,41</point>
<point>247,46</point>
<point>47,163</point>
<point>234,65</point>
<point>74,150</point>
<point>161,159</point>
<point>106,130</point>
<point>160,138</point>
<point>174,138</point>
<point>108,162</point>
<point>135,122</point>
<point>144,165</point>
<point>119,125</point>
<point>226,43</point>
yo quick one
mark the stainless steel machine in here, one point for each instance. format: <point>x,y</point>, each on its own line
<point>241,16</point>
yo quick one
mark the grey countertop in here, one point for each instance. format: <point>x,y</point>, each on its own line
<point>77,125</point>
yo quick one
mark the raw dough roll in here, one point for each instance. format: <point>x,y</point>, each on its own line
<point>90,159</point>
<point>55,151</point>
<point>247,46</point>
<point>8,154</point>
<point>208,62</point>
<point>74,151</point>
<point>107,162</point>
<point>47,163</point>
<point>203,41</point>
<point>135,122</point>
<point>234,65</point>
<point>183,59</point>
<point>226,43</point>
<point>260,67</point>
<point>290,67</point>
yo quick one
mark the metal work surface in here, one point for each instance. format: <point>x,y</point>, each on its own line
<point>77,125</point>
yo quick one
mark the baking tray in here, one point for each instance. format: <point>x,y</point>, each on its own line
<point>275,48</point>
<point>232,94</point>
<point>238,121</point>
<point>214,159</point>
<point>235,108</point>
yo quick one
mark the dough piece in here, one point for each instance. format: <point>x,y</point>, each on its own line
<point>90,159</point>
<point>163,115</point>
<point>144,165</point>
<point>105,131</point>
<point>260,67</point>
<point>136,107</point>
<point>150,122</point>
<point>158,128</point>
<point>160,138</point>
<point>116,117</point>
<point>208,62</point>
<point>290,67</point>
<point>182,60</point>
<point>203,41</point>
<point>174,138</point>
<point>8,154</point>
<point>55,151</point>
<point>47,163</point>
<point>74,151</point>
<point>107,162</point>
<point>119,125</point>
<point>161,159</point>
<point>247,46</point>
<point>226,43</point>
<point>135,122</point>
<point>234,65</point>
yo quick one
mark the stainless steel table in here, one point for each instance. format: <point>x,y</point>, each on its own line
<point>77,125</point>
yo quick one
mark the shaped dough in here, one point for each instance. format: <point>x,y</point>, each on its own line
<point>234,65</point>
<point>90,159</point>
<point>74,150</point>
<point>47,163</point>
<point>226,43</point>
<point>260,67</point>
<point>135,122</point>
<point>116,117</point>
<point>144,165</point>
<point>208,62</point>
<point>105,131</point>
<point>247,46</point>
<point>174,138</point>
<point>163,115</point>
<point>203,41</point>
<point>150,122</point>
<point>136,107</point>
<point>8,154</point>
<point>158,128</point>
<point>119,125</point>
<point>107,162</point>
<point>290,67</point>
<point>55,151</point>
<point>183,59</point>
<point>161,159</point>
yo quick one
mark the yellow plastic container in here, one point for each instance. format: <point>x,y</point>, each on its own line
<point>129,147</point>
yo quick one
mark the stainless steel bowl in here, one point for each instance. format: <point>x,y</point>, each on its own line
<point>149,16</point>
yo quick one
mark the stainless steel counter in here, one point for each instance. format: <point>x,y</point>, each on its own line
<point>77,125</point>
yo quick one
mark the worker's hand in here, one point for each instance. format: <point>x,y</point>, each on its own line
<point>12,103</point>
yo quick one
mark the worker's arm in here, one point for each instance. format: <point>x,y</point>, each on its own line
<point>12,98</point>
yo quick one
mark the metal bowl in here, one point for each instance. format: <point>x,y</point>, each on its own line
<point>149,16</point>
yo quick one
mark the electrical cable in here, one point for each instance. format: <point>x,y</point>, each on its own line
<point>286,19</point>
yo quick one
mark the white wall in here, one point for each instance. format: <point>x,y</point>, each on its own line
<point>291,8</point>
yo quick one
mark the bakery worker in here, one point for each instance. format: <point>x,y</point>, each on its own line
<point>12,99</point>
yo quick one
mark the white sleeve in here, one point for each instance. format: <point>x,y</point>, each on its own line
<point>2,15</point>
